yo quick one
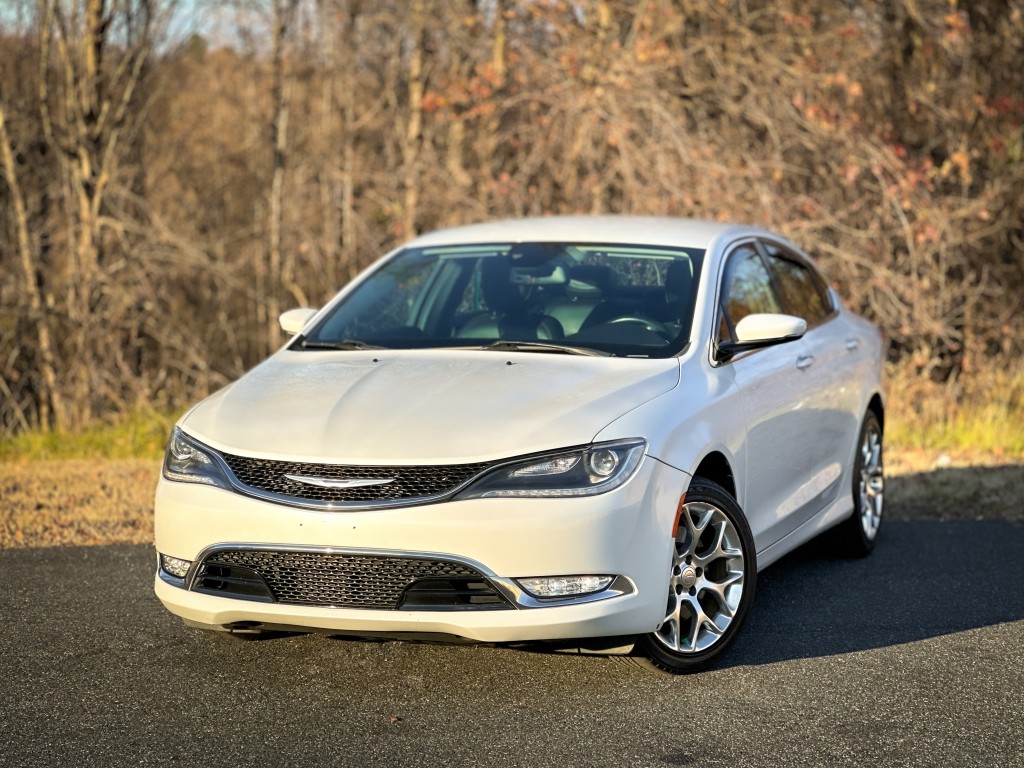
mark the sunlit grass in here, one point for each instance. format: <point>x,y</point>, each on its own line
<point>142,434</point>
<point>982,413</point>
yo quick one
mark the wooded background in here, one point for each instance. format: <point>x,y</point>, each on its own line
<point>164,196</point>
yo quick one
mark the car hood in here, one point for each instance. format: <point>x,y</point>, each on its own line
<point>430,407</point>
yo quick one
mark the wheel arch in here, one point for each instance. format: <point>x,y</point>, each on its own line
<point>876,406</point>
<point>715,467</point>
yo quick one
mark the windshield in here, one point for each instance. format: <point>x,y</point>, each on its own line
<point>625,300</point>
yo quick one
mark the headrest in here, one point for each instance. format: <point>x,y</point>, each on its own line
<point>679,280</point>
<point>590,281</point>
<point>496,283</point>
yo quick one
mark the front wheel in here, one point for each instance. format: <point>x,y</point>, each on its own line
<point>710,583</point>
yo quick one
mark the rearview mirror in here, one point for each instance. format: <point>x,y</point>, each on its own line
<point>294,320</point>
<point>762,330</point>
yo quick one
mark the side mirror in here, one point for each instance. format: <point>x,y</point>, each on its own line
<point>294,320</point>
<point>762,330</point>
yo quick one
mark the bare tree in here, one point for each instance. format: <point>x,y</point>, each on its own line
<point>150,234</point>
<point>285,12</point>
<point>50,399</point>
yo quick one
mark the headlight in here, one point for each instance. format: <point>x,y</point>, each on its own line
<point>187,461</point>
<point>586,471</point>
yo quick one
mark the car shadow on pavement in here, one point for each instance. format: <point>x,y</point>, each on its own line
<point>929,576</point>
<point>924,579</point>
<point>956,493</point>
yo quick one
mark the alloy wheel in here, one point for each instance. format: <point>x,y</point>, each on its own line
<point>706,581</point>
<point>871,487</point>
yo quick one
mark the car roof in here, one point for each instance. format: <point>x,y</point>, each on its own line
<point>638,230</point>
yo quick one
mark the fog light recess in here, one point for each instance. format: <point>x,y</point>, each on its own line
<point>564,586</point>
<point>174,566</point>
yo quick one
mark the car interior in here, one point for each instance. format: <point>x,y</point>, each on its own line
<point>622,299</point>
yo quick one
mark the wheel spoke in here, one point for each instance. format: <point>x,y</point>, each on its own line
<point>679,559</point>
<point>724,608</point>
<point>671,624</point>
<point>713,628</point>
<point>706,542</point>
<point>698,618</point>
<point>714,551</point>
<point>686,547</point>
<point>695,529</point>
<point>706,515</point>
<point>719,590</point>
<point>702,625</point>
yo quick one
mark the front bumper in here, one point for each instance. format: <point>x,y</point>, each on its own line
<point>626,532</point>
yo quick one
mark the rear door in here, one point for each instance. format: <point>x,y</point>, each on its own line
<point>780,460</point>
<point>830,370</point>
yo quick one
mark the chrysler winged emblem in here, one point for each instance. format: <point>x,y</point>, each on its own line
<point>333,482</point>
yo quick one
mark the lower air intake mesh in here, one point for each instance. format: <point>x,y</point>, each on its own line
<point>345,580</point>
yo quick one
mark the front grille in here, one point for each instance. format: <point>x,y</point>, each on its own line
<point>406,482</point>
<point>345,580</point>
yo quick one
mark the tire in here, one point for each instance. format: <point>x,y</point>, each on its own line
<point>857,535</point>
<point>710,584</point>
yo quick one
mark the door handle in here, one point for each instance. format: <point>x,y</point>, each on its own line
<point>852,343</point>
<point>804,361</point>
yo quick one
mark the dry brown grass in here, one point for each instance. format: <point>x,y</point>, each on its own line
<point>77,502</point>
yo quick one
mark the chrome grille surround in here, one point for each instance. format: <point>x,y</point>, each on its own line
<point>408,484</point>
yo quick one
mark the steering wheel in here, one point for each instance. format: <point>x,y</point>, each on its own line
<point>646,322</point>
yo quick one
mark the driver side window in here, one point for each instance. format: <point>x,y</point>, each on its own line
<point>747,290</point>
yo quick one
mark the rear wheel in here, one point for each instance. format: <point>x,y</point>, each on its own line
<point>710,583</point>
<point>859,533</point>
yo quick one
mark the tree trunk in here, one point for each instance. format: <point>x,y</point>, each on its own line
<point>52,413</point>
<point>413,139</point>
<point>284,12</point>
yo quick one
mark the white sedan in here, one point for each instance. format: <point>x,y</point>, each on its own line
<point>594,431</point>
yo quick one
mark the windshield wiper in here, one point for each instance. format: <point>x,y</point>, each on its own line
<point>344,344</point>
<point>543,346</point>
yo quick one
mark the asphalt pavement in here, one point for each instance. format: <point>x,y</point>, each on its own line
<point>913,656</point>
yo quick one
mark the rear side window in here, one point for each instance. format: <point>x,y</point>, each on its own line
<point>801,289</point>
